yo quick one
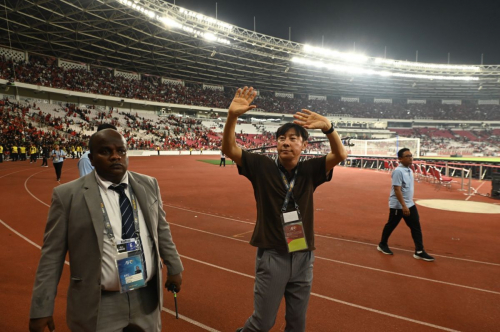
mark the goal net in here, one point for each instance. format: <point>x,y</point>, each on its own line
<point>383,147</point>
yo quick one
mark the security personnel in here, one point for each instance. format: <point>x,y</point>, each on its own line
<point>22,153</point>
<point>33,153</point>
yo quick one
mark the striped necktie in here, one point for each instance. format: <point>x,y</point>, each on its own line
<point>128,225</point>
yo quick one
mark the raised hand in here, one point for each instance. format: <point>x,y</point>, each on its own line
<point>241,101</point>
<point>311,120</point>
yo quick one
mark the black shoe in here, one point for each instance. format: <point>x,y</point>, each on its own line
<point>239,329</point>
<point>384,248</point>
<point>58,179</point>
<point>423,255</point>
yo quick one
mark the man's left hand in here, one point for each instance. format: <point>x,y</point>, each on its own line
<point>175,280</point>
<point>311,120</point>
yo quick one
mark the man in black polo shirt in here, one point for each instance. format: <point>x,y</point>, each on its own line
<point>284,233</point>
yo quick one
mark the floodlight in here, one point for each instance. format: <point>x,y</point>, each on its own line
<point>209,36</point>
<point>362,71</point>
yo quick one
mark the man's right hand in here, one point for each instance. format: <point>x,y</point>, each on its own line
<point>241,102</point>
<point>38,324</point>
<point>406,211</point>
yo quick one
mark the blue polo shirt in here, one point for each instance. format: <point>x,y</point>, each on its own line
<point>402,177</point>
<point>84,165</point>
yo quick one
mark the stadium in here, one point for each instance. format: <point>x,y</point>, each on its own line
<point>165,75</point>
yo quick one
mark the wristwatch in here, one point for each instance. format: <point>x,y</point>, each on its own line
<point>329,131</point>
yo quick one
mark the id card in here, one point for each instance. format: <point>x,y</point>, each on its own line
<point>295,236</point>
<point>127,245</point>
<point>291,216</point>
<point>130,272</point>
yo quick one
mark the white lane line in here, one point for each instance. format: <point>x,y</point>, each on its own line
<point>410,276</point>
<point>24,237</point>
<point>27,169</point>
<point>332,299</point>
<point>355,265</point>
<point>437,255</point>
<point>206,232</point>
<point>29,192</point>
<point>189,320</point>
<point>332,237</point>
<point>468,197</point>
<point>19,234</point>
<point>208,214</point>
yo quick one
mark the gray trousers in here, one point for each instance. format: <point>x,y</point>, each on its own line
<point>277,275</point>
<point>135,308</point>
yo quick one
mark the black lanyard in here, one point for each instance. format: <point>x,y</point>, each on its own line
<point>289,188</point>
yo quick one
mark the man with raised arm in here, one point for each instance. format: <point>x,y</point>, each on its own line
<point>284,233</point>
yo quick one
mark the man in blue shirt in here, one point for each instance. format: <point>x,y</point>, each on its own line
<point>401,205</point>
<point>84,165</point>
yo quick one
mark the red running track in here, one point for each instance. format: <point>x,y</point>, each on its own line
<point>212,211</point>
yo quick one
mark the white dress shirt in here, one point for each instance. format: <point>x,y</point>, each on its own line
<point>109,271</point>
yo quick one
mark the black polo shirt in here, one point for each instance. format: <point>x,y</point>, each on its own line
<point>270,192</point>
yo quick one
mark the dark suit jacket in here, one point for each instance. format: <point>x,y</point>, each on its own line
<point>75,226</point>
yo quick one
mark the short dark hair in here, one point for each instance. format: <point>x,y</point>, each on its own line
<point>105,126</point>
<point>402,152</point>
<point>99,128</point>
<point>299,130</point>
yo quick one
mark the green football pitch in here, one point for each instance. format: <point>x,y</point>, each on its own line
<point>216,161</point>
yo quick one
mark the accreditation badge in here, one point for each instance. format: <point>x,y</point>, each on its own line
<point>130,271</point>
<point>293,229</point>
<point>127,245</point>
<point>129,265</point>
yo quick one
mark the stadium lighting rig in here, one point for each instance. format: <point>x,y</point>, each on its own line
<point>173,23</point>
<point>350,57</point>
<point>353,69</point>
<point>360,58</point>
<point>215,31</point>
<point>420,65</point>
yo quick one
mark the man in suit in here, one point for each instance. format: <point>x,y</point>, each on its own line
<point>78,224</point>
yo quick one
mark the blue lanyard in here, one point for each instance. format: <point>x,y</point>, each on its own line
<point>107,223</point>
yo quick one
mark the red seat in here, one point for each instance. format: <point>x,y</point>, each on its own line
<point>427,176</point>
<point>440,180</point>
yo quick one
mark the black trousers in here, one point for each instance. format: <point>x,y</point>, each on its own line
<point>44,161</point>
<point>222,161</point>
<point>58,168</point>
<point>412,221</point>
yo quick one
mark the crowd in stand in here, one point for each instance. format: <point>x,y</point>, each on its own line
<point>24,126</point>
<point>21,137</point>
<point>486,141</point>
<point>26,129</point>
<point>45,72</point>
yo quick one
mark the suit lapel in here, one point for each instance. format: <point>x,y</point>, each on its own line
<point>93,200</point>
<point>142,198</point>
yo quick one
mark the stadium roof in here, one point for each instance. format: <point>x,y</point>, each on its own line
<point>158,38</point>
